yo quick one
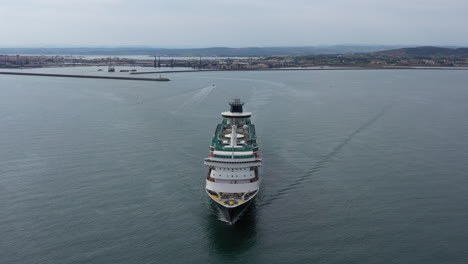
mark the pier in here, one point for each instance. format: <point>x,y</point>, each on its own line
<point>87,76</point>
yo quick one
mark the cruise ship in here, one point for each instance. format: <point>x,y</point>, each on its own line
<point>233,181</point>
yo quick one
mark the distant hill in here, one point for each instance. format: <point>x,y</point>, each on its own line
<point>373,50</point>
<point>214,51</point>
<point>424,52</point>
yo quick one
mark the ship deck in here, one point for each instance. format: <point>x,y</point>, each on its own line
<point>246,138</point>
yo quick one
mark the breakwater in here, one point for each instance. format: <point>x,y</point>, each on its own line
<point>86,76</point>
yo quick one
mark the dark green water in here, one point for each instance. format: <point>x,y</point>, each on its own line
<point>359,167</point>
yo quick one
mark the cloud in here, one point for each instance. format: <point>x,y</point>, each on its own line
<point>232,22</point>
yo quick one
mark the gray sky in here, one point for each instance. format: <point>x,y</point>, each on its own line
<point>232,23</point>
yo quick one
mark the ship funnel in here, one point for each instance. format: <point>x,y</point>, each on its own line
<point>236,106</point>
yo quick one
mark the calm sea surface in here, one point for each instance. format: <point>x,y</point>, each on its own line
<point>367,166</point>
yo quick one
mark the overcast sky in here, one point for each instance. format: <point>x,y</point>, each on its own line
<point>232,23</point>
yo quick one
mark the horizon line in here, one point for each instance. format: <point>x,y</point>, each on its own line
<point>227,47</point>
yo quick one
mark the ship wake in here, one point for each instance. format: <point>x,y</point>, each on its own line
<point>196,99</point>
<point>326,159</point>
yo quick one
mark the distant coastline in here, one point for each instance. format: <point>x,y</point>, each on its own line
<point>403,57</point>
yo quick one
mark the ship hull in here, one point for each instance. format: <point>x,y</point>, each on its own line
<point>232,214</point>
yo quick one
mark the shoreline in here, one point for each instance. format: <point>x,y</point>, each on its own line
<point>345,68</point>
